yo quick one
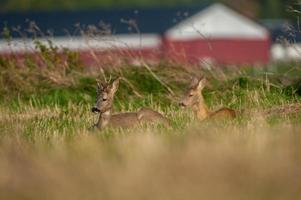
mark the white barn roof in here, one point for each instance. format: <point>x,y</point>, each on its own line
<point>217,21</point>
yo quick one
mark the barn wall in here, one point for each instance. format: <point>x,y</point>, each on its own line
<point>133,49</point>
<point>94,57</point>
<point>222,51</point>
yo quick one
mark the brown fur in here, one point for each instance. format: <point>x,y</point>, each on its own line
<point>105,97</point>
<point>194,98</point>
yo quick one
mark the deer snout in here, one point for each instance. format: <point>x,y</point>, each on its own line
<point>182,104</point>
<point>95,110</point>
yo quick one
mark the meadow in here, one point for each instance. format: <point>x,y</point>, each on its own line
<point>48,151</point>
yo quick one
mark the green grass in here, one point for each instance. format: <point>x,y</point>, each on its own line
<point>60,106</point>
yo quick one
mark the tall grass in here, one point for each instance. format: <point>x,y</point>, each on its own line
<point>255,161</point>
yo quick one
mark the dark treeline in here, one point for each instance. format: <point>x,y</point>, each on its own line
<point>252,8</point>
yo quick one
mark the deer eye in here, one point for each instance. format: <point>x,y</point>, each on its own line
<point>190,95</point>
<point>104,99</point>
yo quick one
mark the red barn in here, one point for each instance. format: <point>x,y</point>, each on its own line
<point>218,34</point>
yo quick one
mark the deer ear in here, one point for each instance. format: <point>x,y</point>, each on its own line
<point>99,85</point>
<point>198,83</point>
<point>201,83</point>
<point>194,83</point>
<point>115,85</point>
<point>99,88</point>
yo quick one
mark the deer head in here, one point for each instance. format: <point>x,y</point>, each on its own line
<point>105,96</point>
<point>193,96</point>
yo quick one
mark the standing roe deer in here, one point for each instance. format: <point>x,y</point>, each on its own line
<point>194,98</point>
<point>104,102</point>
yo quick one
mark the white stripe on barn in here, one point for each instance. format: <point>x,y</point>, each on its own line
<point>122,41</point>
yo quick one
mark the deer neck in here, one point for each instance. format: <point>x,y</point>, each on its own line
<point>104,119</point>
<point>201,109</point>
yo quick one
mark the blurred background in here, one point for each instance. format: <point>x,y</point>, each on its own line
<point>193,31</point>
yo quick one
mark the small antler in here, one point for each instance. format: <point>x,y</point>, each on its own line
<point>98,84</point>
<point>110,78</point>
<point>108,81</point>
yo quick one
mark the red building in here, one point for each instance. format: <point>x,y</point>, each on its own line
<point>218,34</point>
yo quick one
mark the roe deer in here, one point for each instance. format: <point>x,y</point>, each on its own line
<point>104,102</point>
<point>194,98</point>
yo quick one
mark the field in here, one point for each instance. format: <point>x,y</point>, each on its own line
<point>48,151</point>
